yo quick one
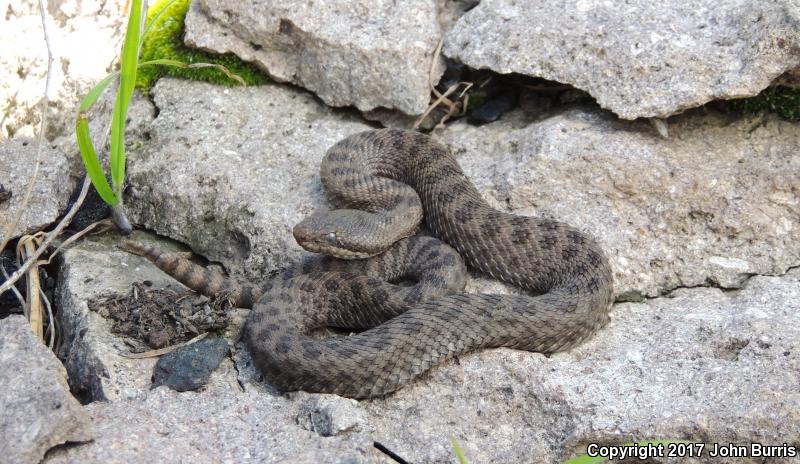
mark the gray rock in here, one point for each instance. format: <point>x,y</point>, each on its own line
<point>93,356</point>
<point>702,364</point>
<point>330,415</point>
<point>50,192</point>
<point>190,366</point>
<point>365,53</point>
<point>638,59</point>
<point>209,427</point>
<point>86,36</point>
<point>449,11</point>
<point>38,410</point>
<point>713,204</point>
<point>233,177</point>
<point>667,217</point>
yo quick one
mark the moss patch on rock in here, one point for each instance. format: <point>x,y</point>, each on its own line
<point>165,41</point>
<point>782,100</point>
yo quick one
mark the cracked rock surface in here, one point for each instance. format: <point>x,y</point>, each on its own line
<point>699,363</point>
<point>364,53</point>
<point>50,193</point>
<point>637,58</point>
<point>232,179</point>
<point>98,361</point>
<point>705,364</point>
<point>38,410</point>
<point>713,204</point>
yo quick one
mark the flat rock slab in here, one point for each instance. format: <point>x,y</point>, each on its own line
<point>711,205</point>
<point>210,427</point>
<point>38,411</point>
<point>364,53</point>
<point>703,365</point>
<point>50,192</point>
<point>639,58</point>
<point>98,361</point>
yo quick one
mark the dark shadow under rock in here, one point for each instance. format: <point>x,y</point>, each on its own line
<point>492,109</point>
<point>92,209</point>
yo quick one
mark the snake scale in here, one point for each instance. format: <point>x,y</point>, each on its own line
<point>385,182</point>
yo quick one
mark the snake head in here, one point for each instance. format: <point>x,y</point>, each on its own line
<point>337,233</point>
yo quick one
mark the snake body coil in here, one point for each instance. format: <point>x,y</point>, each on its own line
<point>386,181</point>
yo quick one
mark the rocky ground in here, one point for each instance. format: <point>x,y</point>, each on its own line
<point>699,212</point>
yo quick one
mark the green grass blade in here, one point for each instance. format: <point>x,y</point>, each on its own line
<point>91,98</point>
<point>462,459</point>
<point>181,64</point>
<point>92,163</point>
<point>88,155</point>
<point>130,58</point>
<point>166,62</point>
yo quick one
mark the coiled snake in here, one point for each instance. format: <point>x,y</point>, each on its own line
<point>386,181</point>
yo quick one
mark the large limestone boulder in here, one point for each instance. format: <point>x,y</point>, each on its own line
<point>233,177</point>
<point>711,205</point>
<point>38,410</point>
<point>364,53</point>
<point>639,58</point>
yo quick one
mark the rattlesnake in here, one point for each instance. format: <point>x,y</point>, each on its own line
<point>389,179</point>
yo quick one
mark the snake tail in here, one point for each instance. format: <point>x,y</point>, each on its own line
<point>198,278</point>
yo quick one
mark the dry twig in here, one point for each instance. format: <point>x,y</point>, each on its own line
<point>162,351</point>
<point>33,259</point>
<point>441,98</point>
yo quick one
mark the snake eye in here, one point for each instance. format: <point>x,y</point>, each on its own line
<point>330,237</point>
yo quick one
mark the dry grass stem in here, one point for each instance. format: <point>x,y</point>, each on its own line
<point>51,331</point>
<point>441,98</point>
<point>33,303</point>
<point>163,351</point>
<point>12,225</point>
<point>106,224</point>
<point>33,259</point>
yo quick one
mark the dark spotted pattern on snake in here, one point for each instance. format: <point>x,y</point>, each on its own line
<point>384,183</point>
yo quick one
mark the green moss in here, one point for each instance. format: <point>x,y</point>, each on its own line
<point>782,100</point>
<point>165,41</point>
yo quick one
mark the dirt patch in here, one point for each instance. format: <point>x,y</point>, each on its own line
<point>157,318</point>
